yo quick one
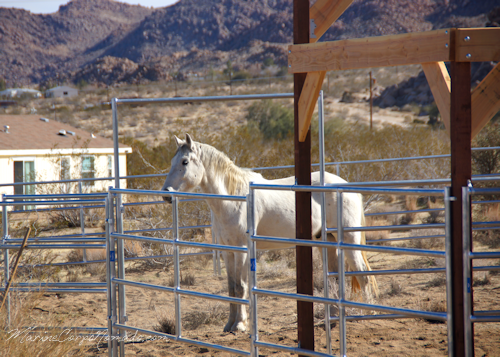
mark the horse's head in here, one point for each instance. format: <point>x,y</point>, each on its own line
<point>187,170</point>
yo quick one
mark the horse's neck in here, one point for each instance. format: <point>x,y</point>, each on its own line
<point>216,182</point>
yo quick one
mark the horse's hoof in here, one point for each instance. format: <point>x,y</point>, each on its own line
<point>240,326</point>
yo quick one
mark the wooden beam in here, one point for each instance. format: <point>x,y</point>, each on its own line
<point>381,51</point>
<point>303,226</point>
<point>486,100</point>
<point>440,82</point>
<point>461,171</point>
<point>477,44</point>
<point>307,101</point>
<point>325,13</point>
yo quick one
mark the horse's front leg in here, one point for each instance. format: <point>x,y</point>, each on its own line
<point>241,291</point>
<point>228,258</point>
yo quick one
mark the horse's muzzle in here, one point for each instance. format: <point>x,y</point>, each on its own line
<point>167,199</point>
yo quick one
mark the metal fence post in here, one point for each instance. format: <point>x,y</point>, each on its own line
<point>324,251</point>
<point>177,267</point>
<point>449,290</point>
<point>6,275</point>
<point>112,275</point>
<point>82,220</point>
<point>108,273</point>
<point>252,273</point>
<point>341,275</point>
<point>122,304</point>
<point>467,274</point>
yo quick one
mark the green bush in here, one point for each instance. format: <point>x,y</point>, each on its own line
<point>487,162</point>
<point>241,75</point>
<point>273,120</point>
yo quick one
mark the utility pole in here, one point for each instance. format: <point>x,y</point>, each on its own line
<point>371,102</point>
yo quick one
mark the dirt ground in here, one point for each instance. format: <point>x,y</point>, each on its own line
<point>203,320</point>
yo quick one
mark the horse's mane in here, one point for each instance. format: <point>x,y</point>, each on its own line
<point>236,179</point>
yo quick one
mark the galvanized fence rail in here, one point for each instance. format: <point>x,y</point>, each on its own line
<point>114,236</point>
<point>341,302</point>
<point>472,316</point>
<point>116,277</point>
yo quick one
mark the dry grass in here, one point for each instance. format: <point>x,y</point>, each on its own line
<point>210,313</point>
<point>395,289</point>
<point>410,205</point>
<point>373,222</point>
<point>433,306</point>
<point>15,339</point>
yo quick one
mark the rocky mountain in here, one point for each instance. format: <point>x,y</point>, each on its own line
<point>34,47</point>
<point>191,35</point>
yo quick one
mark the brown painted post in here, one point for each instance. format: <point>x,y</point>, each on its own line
<point>461,171</point>
<point>303,199</point>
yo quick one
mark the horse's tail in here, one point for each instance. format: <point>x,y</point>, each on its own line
<point>373,282</point>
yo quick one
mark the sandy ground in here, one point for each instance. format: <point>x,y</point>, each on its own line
<point>203,320</point>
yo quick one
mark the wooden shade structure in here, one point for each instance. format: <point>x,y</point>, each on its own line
<point>464,115</point>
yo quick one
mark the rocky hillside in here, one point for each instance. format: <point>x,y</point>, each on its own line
<point>192,35</point>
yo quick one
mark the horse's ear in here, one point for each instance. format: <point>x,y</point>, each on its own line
<point>178,141</point>
<point>190,142</point>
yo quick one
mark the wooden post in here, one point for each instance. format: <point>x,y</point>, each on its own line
<point>16,264</point>
<point>305,315</point>
<point>460,135</point>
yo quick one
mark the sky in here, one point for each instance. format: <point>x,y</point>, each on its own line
<point>50,6</point>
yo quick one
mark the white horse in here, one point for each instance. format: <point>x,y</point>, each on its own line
<point>197,165</point>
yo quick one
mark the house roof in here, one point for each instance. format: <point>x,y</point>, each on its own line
<point>30,132</point>
<point>61,88</point>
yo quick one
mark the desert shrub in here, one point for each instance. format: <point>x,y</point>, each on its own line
<point>487,162</point>
<point>273,120</point>
<point>486,213</point>
<point>166,323</point>
<point>481,281</point>
<point>426,243</point>
<point>210,313</point>
<point>434,306</point>
<point>241,76</point>
<point>394,289</point>
<point>436,282</point>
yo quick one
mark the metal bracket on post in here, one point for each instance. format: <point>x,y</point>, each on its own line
<point>312,27</point>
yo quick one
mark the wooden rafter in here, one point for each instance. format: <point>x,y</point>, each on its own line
<point>477,44</point>
<point>307,101</point>
<point>381,51</point>
<point>324,13</point>
<point>461,45</point>
<point>440,83</point>
<point>486,100</point>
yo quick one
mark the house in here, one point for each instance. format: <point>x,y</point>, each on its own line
<point>33,148</point>
<point>19,92</point>
<point>61,92</point>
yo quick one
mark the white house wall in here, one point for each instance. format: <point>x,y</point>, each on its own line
<point>48,168</point>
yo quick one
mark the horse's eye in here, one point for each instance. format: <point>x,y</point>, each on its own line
<point>185,162</point>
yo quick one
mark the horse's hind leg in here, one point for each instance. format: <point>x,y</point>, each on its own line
<point>356,262</point>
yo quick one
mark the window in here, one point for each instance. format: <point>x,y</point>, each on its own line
<point>88,169</point>
<point>110,166</point>
<point>24,171</point>
<point>65,174</point>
